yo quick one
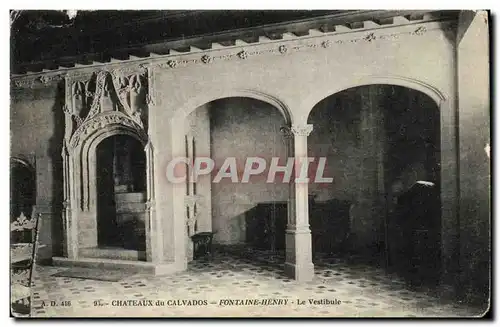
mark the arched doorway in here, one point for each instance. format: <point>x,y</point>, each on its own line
<point>22,189</point>
<point>382,144</point>
<point>121,193</point>
<point>244,217</point>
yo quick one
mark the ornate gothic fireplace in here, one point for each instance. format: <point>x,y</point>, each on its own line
<point>108,168</point>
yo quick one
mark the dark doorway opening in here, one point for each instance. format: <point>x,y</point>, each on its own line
<point>121,186</point>
<point>382,144</point>
<point>22,190</point>
<point>22,196</point>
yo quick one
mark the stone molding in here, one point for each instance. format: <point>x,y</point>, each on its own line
<point>289,44</point>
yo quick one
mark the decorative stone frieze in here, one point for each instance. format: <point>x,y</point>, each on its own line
<point>243,54</point>
<point>172,63</point>
<point>24,83</point>
<point>206,59</point>
<point>370,37</point>
<point>326,44</point>
<point>327,39</point>
<point>47,79</point>
<point>420,31</point>
<point>313,43</point>
<point>37,81</point>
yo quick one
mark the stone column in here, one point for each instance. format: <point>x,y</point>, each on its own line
<point>152,225</point>
<point>70,202</point>
<point>298,259</point>
<point>70,246</point>
<point>190,200</point>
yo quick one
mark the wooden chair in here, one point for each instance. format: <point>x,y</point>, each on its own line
<point>24,247</point>
<point>202,243</point>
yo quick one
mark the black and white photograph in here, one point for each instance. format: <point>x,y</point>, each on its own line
<point>250,163</point>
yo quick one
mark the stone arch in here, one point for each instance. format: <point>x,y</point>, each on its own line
<point>79,152</point>
<point>445,104</point>
<point>178,190</point>
<point>435,94</point>
<point>22,162</point>
<point>80,187</point>
<point>88,155</point>
<point>196,102</point>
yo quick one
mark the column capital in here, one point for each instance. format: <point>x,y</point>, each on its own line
<point>191,200</point>
<point>149,145</point>
<point>192,131</point>
<point>302,130</point>
<point>149,205</point>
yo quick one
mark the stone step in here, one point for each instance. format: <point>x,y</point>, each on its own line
<point>112,253</point>
<point>141,267</point>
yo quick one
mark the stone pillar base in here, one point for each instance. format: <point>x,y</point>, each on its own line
<point>298,261</point>
<point>189,250</point>
<point>301,273</point>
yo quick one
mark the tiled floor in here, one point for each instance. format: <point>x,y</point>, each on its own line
<point>363,291</point>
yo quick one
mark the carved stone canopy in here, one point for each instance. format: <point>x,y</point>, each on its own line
<point>106,97</point>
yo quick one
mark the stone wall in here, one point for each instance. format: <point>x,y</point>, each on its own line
<point>199,123</point>
<point>242,128</point>
<point>36,135</point>
<point>474,134</point>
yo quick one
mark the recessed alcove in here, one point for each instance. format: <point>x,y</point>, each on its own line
<point>120,182</point>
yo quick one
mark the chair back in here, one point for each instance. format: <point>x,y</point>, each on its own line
<point>24,248</point>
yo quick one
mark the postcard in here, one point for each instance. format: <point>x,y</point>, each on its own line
<point>251,163</point>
